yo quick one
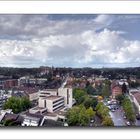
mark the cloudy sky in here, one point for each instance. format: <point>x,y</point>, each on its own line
<point>70,40</point>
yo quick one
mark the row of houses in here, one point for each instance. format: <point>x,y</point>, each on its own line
<point>10,83</point>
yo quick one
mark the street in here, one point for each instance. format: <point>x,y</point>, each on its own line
<point>137,123</point>
<point>117,117</point>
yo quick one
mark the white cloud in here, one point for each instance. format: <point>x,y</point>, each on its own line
<point>31,40</point>
<point>104,20</point>
<point>88,48</point>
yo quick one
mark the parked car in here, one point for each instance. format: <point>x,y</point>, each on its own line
<point>124,116</point>
<point>112,110</point>
<point>114,102</point>
<point>128,123</point>
<point>92,121</point>
<point>138,116</point>
<point>109,103</point>
<point>109,107</point>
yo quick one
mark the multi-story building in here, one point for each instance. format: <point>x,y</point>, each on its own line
<point>117,90</point>
<point>52,100</point>
<point>52,103</point>
<point>48,92</point>
<point>63,92</point>
<point>67,94</point>
<point>135,97</point>
<point>3,97</point>
<point>8,83</point>
<point>33,81</point>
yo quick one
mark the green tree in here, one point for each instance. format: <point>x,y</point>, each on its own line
<point>88,102</point>
<point>107,121</point>
<point>79,95</point>
<point>72,116</point>
<point>102,110</point>
<point>90,113</point>
<point>133,84</point>
<point>94,102</point>
<point>90,90</point>
<point>105,90</point>
<point>17,104</point>
<point>124,88</point>
<point>84,118</point>
<point>79,116</point>
<point>25,103</point>
<point>120,98</point>
<point>128,109</point>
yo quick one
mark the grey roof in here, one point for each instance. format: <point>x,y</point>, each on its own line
<point>137,97</point>
<point>52,123</point>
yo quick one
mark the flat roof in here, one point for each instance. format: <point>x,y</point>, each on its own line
<point>49,89</point>
<point>53,97</point>
<point>137,97</point>
<point>32,118</point>
<point>135,92</point>
<point>50,114</point>
<point>37,108</point>
<point>61,113</point>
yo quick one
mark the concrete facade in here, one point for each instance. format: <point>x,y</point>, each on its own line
<point>52,103</point>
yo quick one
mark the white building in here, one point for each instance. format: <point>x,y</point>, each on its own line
<point>67,94</point>
<point>135,96</point>
<point>31,121</point>
<point>52,103</point>
<point>52,100</point>
<point>33,96</point>
<point>3,97</point>
<point>28,80</point>
<point>48,92</point>
<point>64,92</point>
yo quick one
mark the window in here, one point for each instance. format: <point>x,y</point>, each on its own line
<point>58,104</point>
<point>45,103</point>
<point>58,100</point>
<point>58,107</point>
<point>67,96</point>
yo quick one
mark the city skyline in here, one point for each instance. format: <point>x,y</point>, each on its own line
<point>69,40</point>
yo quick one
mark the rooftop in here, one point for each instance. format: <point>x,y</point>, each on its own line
<point>135,92</point>
<point>28,90</point>
<point>50,114</point>
<point>37,108</point>
<point>51,123</point>
<point>33,116</point>
<point>137,97</point>
<point>50,90</point>
<point>9,116</point>
<point>62,113</point>
<point>53,97</point>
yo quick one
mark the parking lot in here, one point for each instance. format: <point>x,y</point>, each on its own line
<point>117,114</point>
<point>117,117</point>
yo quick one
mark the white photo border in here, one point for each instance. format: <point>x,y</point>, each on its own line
<point>69,7</point>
